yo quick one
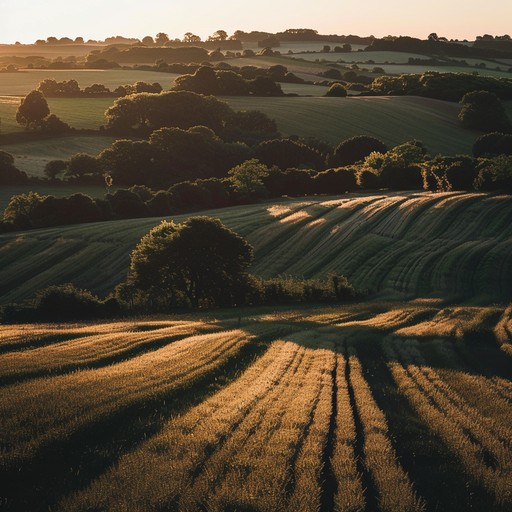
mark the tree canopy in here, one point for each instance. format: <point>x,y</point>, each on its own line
<point>197,262</point>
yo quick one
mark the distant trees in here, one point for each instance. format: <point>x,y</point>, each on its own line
<point>247,179</point>
<point>198,262</point>
<point>9,173</point>
<point>161,39</point>
<point>483,110</point>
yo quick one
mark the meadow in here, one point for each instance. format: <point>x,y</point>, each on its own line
<point>383,406</point>
<point>397,245</point>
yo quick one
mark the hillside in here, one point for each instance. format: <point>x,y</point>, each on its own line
<point>451,245</point>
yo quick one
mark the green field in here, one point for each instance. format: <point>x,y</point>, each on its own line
<point>21,83</point>
<point>379,406</point>
<point>392,119</point>
<point>397,244</point>
<point>32,156</point>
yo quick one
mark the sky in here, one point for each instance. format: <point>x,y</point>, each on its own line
<point>28,20</point>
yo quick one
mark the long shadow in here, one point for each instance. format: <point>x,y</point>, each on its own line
<point>130,352</point>
<point>69,465</point>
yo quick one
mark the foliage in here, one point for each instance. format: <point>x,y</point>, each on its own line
<point>9,173</point>
<point>198,262</point>
<point>495,174</point>
<point>32,110</point>
<point>493,144</point>
<point>337,90</point>
<point>355,149</point>
<point>182,109</point>
<point>287,153</point>
<point>483,110</point>
<point>247,179</point>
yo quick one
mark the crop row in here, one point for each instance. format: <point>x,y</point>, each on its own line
<point>482,445</point>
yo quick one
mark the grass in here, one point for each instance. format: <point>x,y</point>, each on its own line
<point>310,422</point>
<point>449,245</point>
<point>391,119</point>
<point>32,156</point>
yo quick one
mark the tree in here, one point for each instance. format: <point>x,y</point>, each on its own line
<point>161,38</point>
<point>356,148</point>
<point>337,90</point>
<point>219,35</point>
<point>54,167</point>
<point>247,179</point>
<point>191,38</point>
<point>198,262</point>
<point>82,164</point>
<point>32,110</point>
<point>482,110</point>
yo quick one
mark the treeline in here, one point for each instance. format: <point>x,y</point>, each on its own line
<point>365,164</point>
<point>434,46</point>
<point>442,86</point>
<point>133,54</point>
<point>70,89</point>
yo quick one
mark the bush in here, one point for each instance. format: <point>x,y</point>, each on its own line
<point>493,144</point>
<point>337,90</point>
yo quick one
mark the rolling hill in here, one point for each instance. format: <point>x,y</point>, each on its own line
<point>451,245</point>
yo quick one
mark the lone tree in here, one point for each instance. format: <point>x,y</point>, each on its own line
<point>32,110</point>
<point>199,262</point>
<point>483,110</point>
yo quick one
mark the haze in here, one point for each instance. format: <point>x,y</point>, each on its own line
<point>28,20</point>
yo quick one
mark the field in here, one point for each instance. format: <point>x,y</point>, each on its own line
<point>21,83</point>
<point>32,156</point>
<point>380,407</point>
<point>391,119</point>
<point>399,245</point>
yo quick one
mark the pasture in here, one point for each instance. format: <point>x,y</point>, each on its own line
<point>381,406</point>
<point>396,245</point>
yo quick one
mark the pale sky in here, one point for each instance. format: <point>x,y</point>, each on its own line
<point>28,20</point>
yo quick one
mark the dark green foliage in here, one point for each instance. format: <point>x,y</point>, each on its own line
<point>62,303</point>
<point>52,124</point>
<point>482,110</point>
<point>287,153</point>
<point>493,144</point>
<point>32,110</point>
<point>197,263</point>
<point>264,86</point>
<point>182,109</point>
<point>495,174</point>
<point>442,86</point>
<point>287,289</point>
<point>355,149</point>
<point>9,173</point>
<point>82,164</point>
<point>335,181</point>
<point>126,204</point>
<point>337,90</point>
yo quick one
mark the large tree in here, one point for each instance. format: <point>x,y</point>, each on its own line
<point>197,262</point>
<point>32,110</point>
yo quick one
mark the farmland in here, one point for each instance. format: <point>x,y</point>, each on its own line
<point>389,406</point>
<point>391,119</point>
<point>446,245</point>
